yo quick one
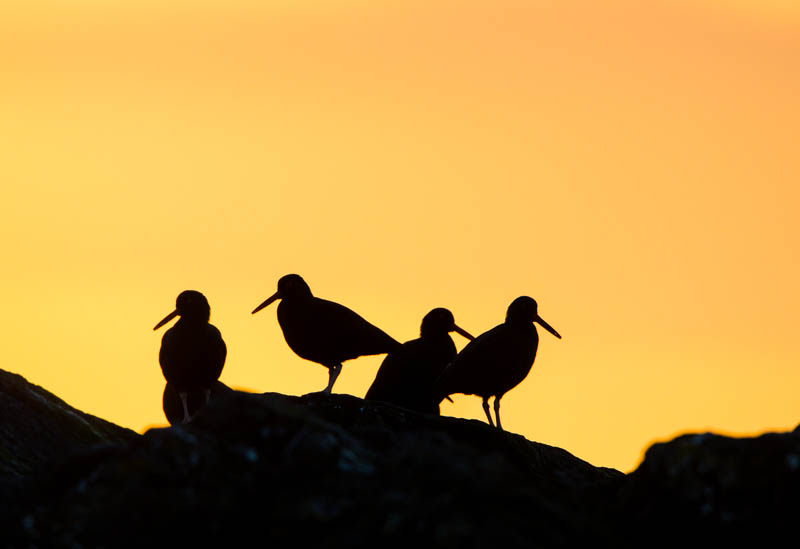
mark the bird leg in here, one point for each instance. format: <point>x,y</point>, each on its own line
<point>486,410</point>
<point>184,398</point>
<point>333,373</point>
<point>497,411</point>
<point>207,392</point>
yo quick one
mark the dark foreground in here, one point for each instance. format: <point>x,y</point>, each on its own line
<point>336,471</point>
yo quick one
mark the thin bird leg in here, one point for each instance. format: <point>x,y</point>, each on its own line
<point>333,373</point>
<point>486,410</point>
<point>208,395</point>
<point>497,411</point>
<point>184,398</point>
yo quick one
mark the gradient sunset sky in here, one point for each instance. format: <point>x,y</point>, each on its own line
<point>632,165</point>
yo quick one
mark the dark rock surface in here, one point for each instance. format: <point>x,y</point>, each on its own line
<point>713,490</point>
<point>337,471</point>
<point>36,425</point>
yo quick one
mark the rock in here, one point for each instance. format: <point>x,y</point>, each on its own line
<point>335,470</point>
<point>38,426</point>
<point>712,490</point>
<point>327,470</point>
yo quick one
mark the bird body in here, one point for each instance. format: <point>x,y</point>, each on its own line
<point>407,376</point>
<point>497,360</point>
<point>192,356</point>
<point>192,352</point>
<point>323,331</point>
<point>483,371</point>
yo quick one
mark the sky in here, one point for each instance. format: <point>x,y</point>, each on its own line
<point>630,165</point>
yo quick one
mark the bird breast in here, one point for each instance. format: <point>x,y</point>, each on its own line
<point>192,355</point>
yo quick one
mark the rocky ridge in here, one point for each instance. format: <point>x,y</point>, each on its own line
<point>335,470</point>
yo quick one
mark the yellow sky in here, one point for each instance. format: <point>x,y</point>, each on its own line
<point>631,165</point>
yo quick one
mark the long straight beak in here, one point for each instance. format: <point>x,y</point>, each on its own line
<point>463,332</point>
<point>166,319</point>
<point>546,326</point>
<point>272,298</point>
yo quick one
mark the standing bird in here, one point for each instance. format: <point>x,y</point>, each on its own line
<point>192,351</point>
<point>407,376</point>
<point>497,360</point>
<point>323,331</point>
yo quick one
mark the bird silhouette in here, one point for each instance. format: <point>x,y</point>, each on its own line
<point>498,360</point>
<point>407,376</point>
<point>192,351</point>
<point>323,331</point>
<point>172,403</point>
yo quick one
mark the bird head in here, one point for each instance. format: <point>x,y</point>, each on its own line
<point>525,309</point>
<point>191,305</point>
<point>440,321</point>
<point>289,286</point>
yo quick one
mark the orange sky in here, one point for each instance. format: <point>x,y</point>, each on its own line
<point>631,165</point>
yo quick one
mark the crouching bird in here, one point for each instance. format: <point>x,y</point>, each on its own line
<point>498,360</point>
<point>407,376</point>
<point>323,331</point>
<point>192,351</point>
<point>172,404</point>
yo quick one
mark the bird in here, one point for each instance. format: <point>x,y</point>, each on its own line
<point>323,331</point>
<point>497,360</point>
<point>172,404</point>
<point>192,352</point>
<point>406,376</point>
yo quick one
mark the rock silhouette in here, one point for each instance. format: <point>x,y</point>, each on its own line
<point>36,426</point>
<point>336,471</point>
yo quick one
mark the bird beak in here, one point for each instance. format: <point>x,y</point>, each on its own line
<point>546,326</point>
<point>274,297</point>
<point>166,319</point>
<point>463,332</point>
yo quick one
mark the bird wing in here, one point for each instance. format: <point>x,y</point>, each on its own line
<point>340,328</point>
<point>217,352</point>
<point>407,376</point>
<point>470,371</point>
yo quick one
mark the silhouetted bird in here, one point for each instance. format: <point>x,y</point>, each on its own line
<point>192,351</point>
<point>407,376</point>
<point>323,331</point>
<point>497,360</point>
<point>172,404</point>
